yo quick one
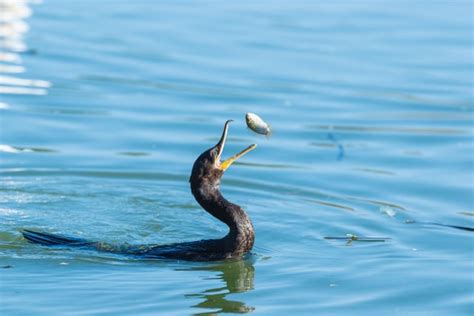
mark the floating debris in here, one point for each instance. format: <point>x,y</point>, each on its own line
<point>256,124</point>
<point>350,238</point>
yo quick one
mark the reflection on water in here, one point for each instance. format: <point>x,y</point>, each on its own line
<point>12,31</point>
<point>385,129</point>
<point>195,88</point>
<point>15,149</point>
<point>237,277</point>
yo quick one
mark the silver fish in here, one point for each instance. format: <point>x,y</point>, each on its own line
<point>256,124</point>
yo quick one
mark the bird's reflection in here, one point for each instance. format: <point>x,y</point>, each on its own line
<point>237,277</point>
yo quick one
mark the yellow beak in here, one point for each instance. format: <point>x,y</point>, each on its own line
<point>226,163</point>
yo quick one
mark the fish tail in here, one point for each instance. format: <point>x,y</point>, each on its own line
<point>269,131</point>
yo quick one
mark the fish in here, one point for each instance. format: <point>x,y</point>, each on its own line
<point>256,124</point>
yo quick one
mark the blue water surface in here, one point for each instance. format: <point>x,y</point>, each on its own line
<point>105,105</point>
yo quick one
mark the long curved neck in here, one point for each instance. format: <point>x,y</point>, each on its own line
<point>241,234</point>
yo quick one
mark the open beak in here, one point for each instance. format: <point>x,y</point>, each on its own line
<point>224,165</point>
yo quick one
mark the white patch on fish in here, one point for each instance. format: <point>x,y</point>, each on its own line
<point>256,124</point>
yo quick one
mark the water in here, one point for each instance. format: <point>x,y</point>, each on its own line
<point>371,105</point>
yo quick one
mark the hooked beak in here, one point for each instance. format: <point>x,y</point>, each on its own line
<point>224,165</point>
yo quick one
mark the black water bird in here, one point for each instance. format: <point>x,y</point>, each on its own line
<point>205,180</point>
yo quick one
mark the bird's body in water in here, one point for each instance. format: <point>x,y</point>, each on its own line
<point>205,180</point>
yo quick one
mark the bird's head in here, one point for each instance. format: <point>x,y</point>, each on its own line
<point>208,167</point>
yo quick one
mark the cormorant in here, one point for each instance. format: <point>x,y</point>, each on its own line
<point>205,180</point>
